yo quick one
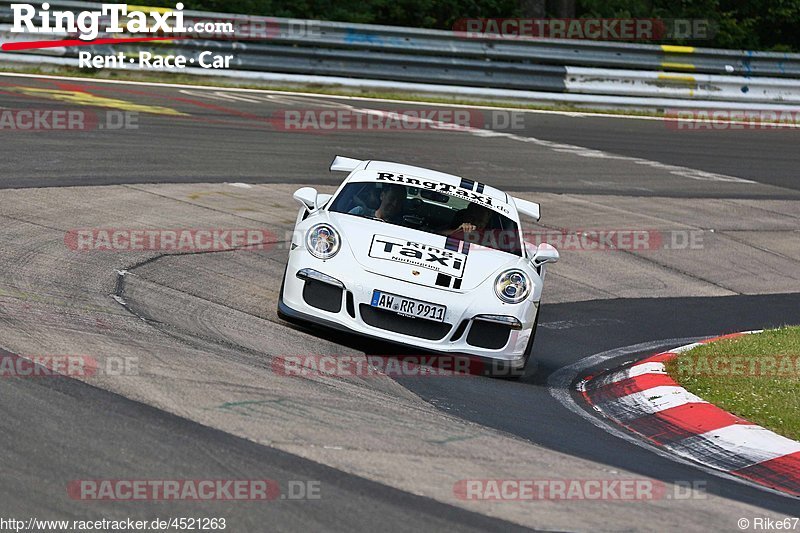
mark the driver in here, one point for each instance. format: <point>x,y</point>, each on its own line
<point>392,200</point>
<point>473,218</point>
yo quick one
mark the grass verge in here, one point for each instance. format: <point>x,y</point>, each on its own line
<point>755,376</point>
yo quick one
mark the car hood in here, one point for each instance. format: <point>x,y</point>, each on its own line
<point>417,256</point>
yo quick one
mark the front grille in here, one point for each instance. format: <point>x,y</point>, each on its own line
<point>322,296</point>
<point>415,327</point>
<point>488,335</point>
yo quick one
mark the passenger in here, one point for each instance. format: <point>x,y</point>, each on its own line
<point>474,218</point>
<point>392,202</point>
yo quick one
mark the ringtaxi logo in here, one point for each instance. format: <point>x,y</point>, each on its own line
<point>119,18</point>
<point>177,240</point>
<point>112,20</point>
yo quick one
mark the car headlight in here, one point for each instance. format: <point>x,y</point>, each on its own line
<point>512,286</point>
<point>322,241</point>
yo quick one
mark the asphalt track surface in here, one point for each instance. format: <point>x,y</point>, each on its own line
<point>58,430</point>
<point>100,433</point>
<point>234,136</point>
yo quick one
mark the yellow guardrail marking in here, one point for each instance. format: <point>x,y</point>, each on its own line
<point>673,49</point>
<point>677,66</point>
<point>81,98</point>
<point>677,77</point>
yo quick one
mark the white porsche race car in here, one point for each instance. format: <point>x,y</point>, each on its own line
<point>420,258</point>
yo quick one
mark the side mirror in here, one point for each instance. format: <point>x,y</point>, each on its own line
<point>307,196</point>
<point>545,253</point>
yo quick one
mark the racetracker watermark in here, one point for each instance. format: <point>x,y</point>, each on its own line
<point>250,490</point>
<point>254,29</point>
<point>328,120</point>
<point>602,29</point>
<point>730,119</point>
<point>580,240</point>
<point>611,240</point>
<point>348,366</point>
<point>73,366</point>
<point>515,490</point>
<point>29,120</point>
<point>172,240</point>
<point>770,366</point>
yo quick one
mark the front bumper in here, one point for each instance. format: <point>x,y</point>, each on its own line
<point>338,293</point>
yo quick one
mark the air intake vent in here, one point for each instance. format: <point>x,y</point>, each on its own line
<point>488,335</point>
<point>322,296</point>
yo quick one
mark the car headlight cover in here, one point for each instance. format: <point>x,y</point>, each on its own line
<point>322,241</point>
<point>512,286</point>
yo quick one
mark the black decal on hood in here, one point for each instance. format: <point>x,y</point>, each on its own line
<point>443,280</point>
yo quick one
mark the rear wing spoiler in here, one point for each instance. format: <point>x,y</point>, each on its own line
<point>344,164</point>
<point>525,207</point>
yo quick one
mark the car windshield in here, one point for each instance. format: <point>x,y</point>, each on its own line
<point>429,211</point>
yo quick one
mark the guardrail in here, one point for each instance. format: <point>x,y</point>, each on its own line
<point>433,57</point>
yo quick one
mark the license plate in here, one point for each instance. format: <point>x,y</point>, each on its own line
<point>408,306</point>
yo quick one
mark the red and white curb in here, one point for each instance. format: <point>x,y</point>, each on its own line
<point>647,401</point>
